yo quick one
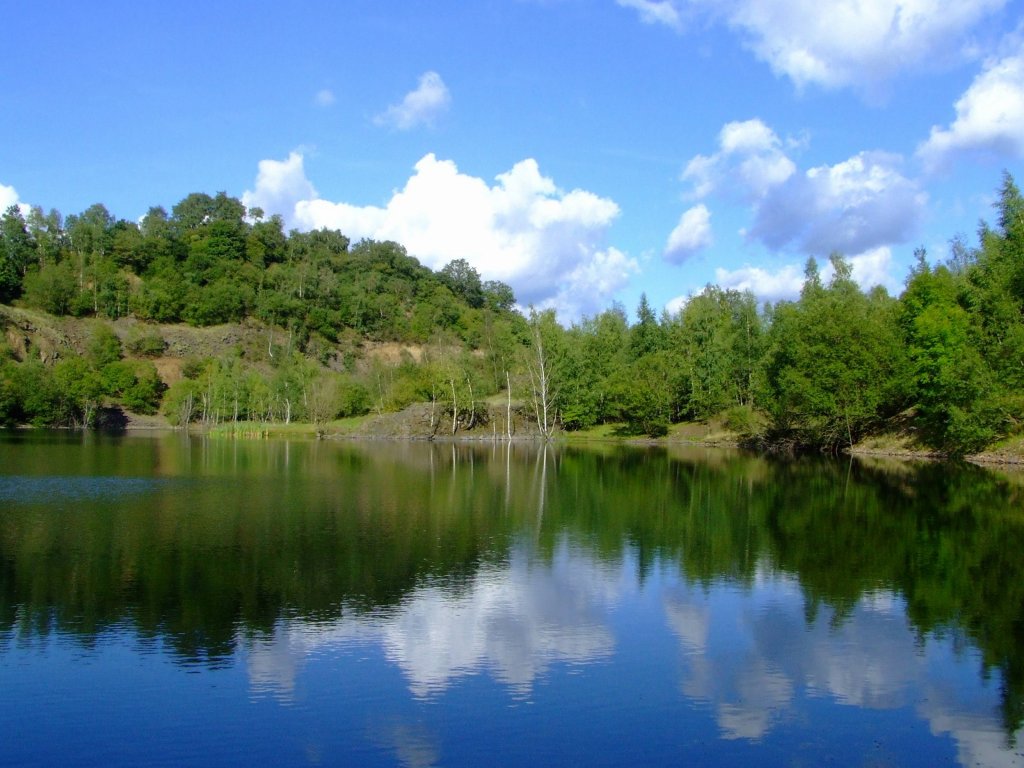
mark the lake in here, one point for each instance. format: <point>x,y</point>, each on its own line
<point>175,600</point>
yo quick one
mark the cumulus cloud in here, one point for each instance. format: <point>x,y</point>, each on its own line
<point>860,203</point>
<point>840,43</point>
<point>546,243</point>
<point>8,197</point>
<point>749,152</point>
<point>692,233</point>
<point>324,97</point>
<point>989,116</point>
<point>858,43</point>
<point>662,12</point>
<point>422,106</point>
<point>874,267</point>
<point>852,206</point>
<point>280,184</point>
<point>767,285</point>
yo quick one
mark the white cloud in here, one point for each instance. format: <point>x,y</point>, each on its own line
<point>324,98</point>
<point>662,12</point>
<point>860,203</point>
<point>419,107</point>
<point>749,152</point>
<point>989,116</point>
<point>591,284</point>
<point>841,43</point>
<point>859,43</point>
<point>855,205</point>
<point>692,233</point>
<point>747,136</point>
<point>546,243</point>
<point>280,184</point>
<point>871,268</point>
<point>784,283</point>
<point>8,197</point>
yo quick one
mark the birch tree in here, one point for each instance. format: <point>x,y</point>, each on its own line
<point>540,369</point>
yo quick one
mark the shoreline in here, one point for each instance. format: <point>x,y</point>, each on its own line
<point>408,426</point>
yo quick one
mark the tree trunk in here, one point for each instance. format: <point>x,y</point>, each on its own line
<point>455,407</point>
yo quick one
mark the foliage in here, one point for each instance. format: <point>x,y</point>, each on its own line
<point>146,343</point>
<point>742,419</point>
<point>353,398</point>
<point>822,371</point>
<point>835,366</point>
<point>52,288</point>
<point>104,346</point>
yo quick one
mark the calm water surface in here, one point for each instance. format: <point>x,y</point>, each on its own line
<point>176,601</point>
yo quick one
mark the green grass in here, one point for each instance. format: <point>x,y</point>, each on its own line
<point>256,430</point>
<point>686,432</point>
<point>261,430</point>
<point>597,433</point>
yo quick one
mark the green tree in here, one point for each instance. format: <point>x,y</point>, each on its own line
<point>644,397</point>
<point>835,366</point>
<point>47,232</point>
<point>596,362</point>
<point>17,252</point>
<point>77,393</point>
<point>542,363</point>
<point>52,288</point>
<point>464,281</point>
<point>104,346</point>
<point>646,336</point>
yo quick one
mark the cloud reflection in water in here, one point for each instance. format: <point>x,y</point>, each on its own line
<point>512,621</point>
<point>749,653</point>
<point>754,658</point>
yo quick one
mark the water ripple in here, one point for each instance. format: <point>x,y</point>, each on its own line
<point>49,488</point>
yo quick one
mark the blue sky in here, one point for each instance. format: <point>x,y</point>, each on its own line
<point>584,151</point>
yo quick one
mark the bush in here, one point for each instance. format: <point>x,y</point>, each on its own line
<point>136,384</point>
<point>104,346</point>
<point>143,396</point>
<point>193,368</point>
<point>741,419</point>
<point>52,289</point>
<point>147,344</point>
<point>181,403</point>
<point>10,405</point>
<point>353,398</point>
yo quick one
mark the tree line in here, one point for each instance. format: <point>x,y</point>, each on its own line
<point>943,361</point>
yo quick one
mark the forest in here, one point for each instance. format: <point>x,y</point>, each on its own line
<point>943,361</point>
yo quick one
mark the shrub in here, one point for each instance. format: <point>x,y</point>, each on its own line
<point>104,346</point>
<point>741,419</point>
<point>146,344</point>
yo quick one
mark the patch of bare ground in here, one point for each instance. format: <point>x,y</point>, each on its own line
<point>900,440</point>
<point>36,335</point>
<point>391,352</point>
<point>886,446</point>
<point>1008,452</point>
<point>422,421</point>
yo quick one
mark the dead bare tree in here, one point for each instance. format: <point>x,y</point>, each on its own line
<point>542,392</point>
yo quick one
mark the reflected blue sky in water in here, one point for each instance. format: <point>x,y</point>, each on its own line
<point>313,604</point>
<point>746,656</point>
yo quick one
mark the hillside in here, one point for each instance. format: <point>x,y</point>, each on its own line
<point>213,315</point>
